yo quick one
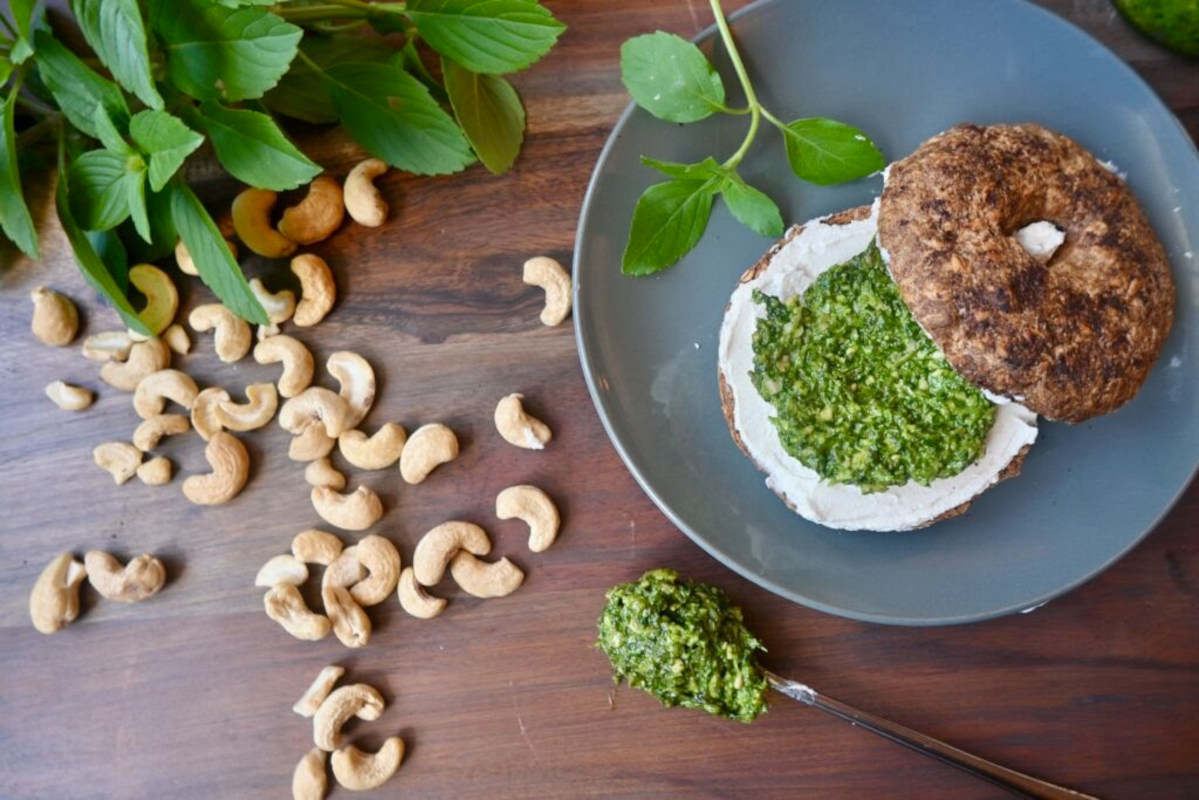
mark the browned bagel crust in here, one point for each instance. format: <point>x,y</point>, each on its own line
<point>1075,337</point>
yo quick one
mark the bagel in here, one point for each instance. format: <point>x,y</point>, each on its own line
<point>1070,335</point>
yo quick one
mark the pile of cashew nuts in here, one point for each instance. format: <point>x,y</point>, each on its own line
<point>54,601</point>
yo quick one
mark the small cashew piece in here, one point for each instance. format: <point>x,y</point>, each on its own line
<point>364,201</point>
<point>519,428</point>
<point>318,215</point>
<point>356,511</point>
<point>279,306</point>
<point>148,434</point>
<point>204,411</point>
<point>345,571</point>
<point>308,781</point>
<point>359,771</point>
<point>233,336</point>
<point>285,605</point>
<point>535,508</point>
<point>155,472</point>
<point>69,397</point>
<point>355,700</point>
<point>107,346</point>
<point>138,580</point>
<point>177,340</point>
<point>429,447</point>
<point>437,547</point>
<point>152,392</point>
<point>298,364</point>
<point>316,693</point>
<point>252,221</point>
<point>315,405</point>
<point>351,625</point>
<point>415,600</point>
<point>263,400</point>
<point>311,445</point>
<point>318,291</point>
<point>377,451</point>
<point>183,258</point>
<point>162,298</point>
<point>356,383</point>
<point>118,459</point>
<point>382,562</point>
<point>321,472</point>
<point>548,274</point>
<point>315,546</point>
<point>55,318</point>
<point>230,468</point>
<point>145,358</point>
<point>485,578</point>
<point>54,601</point>
<point>282,569</point>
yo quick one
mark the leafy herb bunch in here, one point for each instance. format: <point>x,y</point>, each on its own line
<point>163,76</point>
<point>672,79</point>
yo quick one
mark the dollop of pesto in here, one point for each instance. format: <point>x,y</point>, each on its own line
<point>861,394</point>
<point>1174,23</point>
<point>685,643</point>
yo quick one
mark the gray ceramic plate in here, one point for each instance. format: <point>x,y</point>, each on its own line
<point>902,72</point>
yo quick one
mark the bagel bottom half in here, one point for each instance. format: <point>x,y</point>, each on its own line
<point>786,270</point>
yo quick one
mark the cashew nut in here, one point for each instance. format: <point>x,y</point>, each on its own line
<point>436,548</point>
<point>285,605</point>
<point>184,259</point>
<point>315,546</point>
<point>311,445</point>
<point>177,340</point>
<point>356,511</point>
<point>355,700</point>
<point>318,215</point>
<point>145,358</point>
<point>298,364</point>
<point>359,771</point>
<point>152,392</point>
<point>55,318</point>
<point>519,428</point>
<point>535,508</point>
<point>321,472</point>
<point>485,578</point>
<point>378,451</point>
<point>155,472</point>
<point>118,459</point>
<point>148,434</point>
<point>318,292</point>
<point>364,201</point>
<point>308,781</point>
<point>315,694</point>
<point>162,298</point>
<point>415,600</point>
<point>107,346</point>
<point>141,578</point>
<point>345,571</point>
<point>356,383</point>
<point>427,448</point>
<point>69,397</point>
<point>252,415</point>
<point>548,274</point>
<point>204,411</point>
<point>314,405</point>
<point>233,336</point>
<point>282,569</point>
<point>54,601</point>
<point>279,306</point>
<point>252,221</point>
<point>230,468</point>
<point>382,562</point>
<point>351,625</point>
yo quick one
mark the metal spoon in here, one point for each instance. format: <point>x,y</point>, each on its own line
<point>1017,782</point>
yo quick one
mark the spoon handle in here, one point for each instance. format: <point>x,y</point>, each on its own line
<point>1010,779</point>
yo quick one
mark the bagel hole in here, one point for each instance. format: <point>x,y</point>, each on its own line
<point>1041,239</point>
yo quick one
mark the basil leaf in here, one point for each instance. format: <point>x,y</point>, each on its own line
<point>218,269</point>
<point>302,93</point>
<point>14,214</point>
<point>391,114</point>
<point>490,113</point>
<point>668,221</point>
<point>409,59</point>
<point>5,69</point>
<point>76,88</point>
<point>111,250</point>
<point>99,199</point>
<point>115,30</point>
<point>708,168</point>
<point>218,53</point>
<point>253,149</point>
<point>487,36</point>
<point>135,195</point>
<point>22,14</point>
<point>752,207</point>
<point>239,3</point>
<point>163,235</point>
<point>109,136</point>
<point>670,77</point>
<point>825,151</point>
<point>166,140</point>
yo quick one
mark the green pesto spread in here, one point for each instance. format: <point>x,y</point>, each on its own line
<point>685,643</point>
<point>861,394</point>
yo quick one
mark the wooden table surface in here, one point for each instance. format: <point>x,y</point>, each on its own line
<point>189,695</point>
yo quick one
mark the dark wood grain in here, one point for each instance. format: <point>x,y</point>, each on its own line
<point>189,695</point>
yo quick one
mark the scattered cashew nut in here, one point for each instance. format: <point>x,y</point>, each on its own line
<point>148,434</point>
<point>316,693</point>
<point>233,337</point>
<point>382,562</point>
<point>285,605</point>
<point>519,428</point>
<point>315,546</point>
<point>428,447</point>
<point>230,468</point>
<point>351,625</point>
<point>356,511</point>
<point>364,201</point>
<point>152,392</point>
<point>355,700</point>
<point>321,472</point>
<point>485,578</point>
<point>279,306</point>
<point>145,358</point>
<point>204,411</point>
<point>252,221</point>
<point>356,383</point>
<point>282,569</point>
<point>312,444</point>
<point>318,292</point>
<point>315,405</point>
<point>535,508</point>
<point>118,459</point>
<point>263,400</point>
<point>55,318</point>
<point>69,397</point>
<point>415,600</point>
<point>359,771</point>
<point>177,340</point>
<point>298,364</point>
<point>54,601</point>
<point>548,274</point>
<point>138,580</point>
<point>318,215</point>
<point>377,451</point>
<point>155,472</point>
<point>345,571</point>
<point>107,346</point>
<point>162,298</point>
<point>437,547</point>
<point>308,781</point>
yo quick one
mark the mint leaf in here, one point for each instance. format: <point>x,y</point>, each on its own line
<point>708,168</point>
<point>753,208</point>
<point>825,151</point>
<point>487,36</point>
<point>166,140</point>
<point>99,199</point>
<point>109,136</point>
<point>253,149</point>
<point>135,197</point>
<point>5,69</point>
<point>670,77</point>
<point>218,53</point>
<point>668,221</point>
<point>302,93</point>
<point>76,88</point>
<point>239,3</point>
<point>22,14</point>
<point>115,30</point>
<point>14,214</point>
<point>216,264</point>
<point>391,114</point>
<point>409,59</point>
<point>163,235</point>
<point>490,113</point>
<point>111,250</point>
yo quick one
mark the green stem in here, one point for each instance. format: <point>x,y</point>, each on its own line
<point>773,120</point>
<point>751,98</point>
<point>35,106</point>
